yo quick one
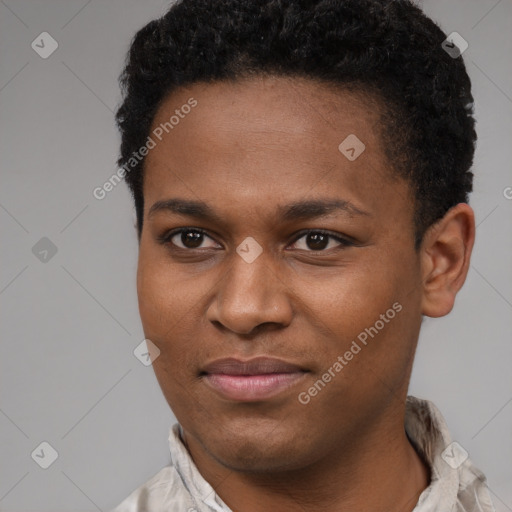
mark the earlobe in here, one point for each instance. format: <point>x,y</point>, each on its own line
<point>445,257</point>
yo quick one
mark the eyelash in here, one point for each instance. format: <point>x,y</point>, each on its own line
<point>165,239</point>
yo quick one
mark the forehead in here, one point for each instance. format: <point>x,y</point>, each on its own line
<point>260,108</point>
<point>266,140</point>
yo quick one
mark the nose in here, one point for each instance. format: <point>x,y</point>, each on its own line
<point>250,295</point>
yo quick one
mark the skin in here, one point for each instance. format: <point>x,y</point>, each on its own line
<point>247,148</point>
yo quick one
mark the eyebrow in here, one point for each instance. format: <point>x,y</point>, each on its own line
<point>300,210</point>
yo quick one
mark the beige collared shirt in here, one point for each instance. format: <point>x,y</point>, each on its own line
<point>456,484</point>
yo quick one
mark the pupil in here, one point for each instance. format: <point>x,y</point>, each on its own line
<point>317,241</point>
<point>191,239</point>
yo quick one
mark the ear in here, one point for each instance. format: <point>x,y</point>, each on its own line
<point>445,256</point>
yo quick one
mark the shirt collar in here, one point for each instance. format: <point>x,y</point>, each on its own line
<point>456,484</point>
<point>196,485</point>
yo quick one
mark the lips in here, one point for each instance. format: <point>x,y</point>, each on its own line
<point>256,366</point>
<point>253,380</point>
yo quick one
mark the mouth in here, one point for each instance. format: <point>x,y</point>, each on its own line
<point>253,380</point>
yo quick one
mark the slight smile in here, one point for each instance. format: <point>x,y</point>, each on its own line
<point>253,380</point>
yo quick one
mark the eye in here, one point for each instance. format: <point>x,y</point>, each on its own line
<point>188,238</point>
<point>197,238</point>
<point>320,241</point>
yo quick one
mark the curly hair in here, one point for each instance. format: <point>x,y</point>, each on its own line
<point>386,48</point>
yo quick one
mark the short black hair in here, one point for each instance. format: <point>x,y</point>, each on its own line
<point>387,48</point>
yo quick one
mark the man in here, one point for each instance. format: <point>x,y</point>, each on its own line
<point>300,171</point>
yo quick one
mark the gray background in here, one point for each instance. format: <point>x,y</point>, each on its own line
<point>70,324</point>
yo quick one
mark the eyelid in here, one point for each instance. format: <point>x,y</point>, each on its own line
<point>165,238</point>
<point>344,241</point>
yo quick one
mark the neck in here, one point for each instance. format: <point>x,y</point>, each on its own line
<point>378,471</point>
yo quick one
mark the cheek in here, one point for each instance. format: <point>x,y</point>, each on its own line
<point>350,298</point>
<point>165,312</point>
<point>370,313</point>
<point>161,296</point>
<point>169,308</point>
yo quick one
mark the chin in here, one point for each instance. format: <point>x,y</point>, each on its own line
<point>249,458</point>
<point>258,451</point>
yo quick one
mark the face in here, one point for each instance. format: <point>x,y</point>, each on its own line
<point>277,272</point>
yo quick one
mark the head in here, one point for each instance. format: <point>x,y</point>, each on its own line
<point>302,195</point>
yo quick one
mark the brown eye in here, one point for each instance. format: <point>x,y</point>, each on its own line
<point>189,238</point>
<point>319,241</point>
